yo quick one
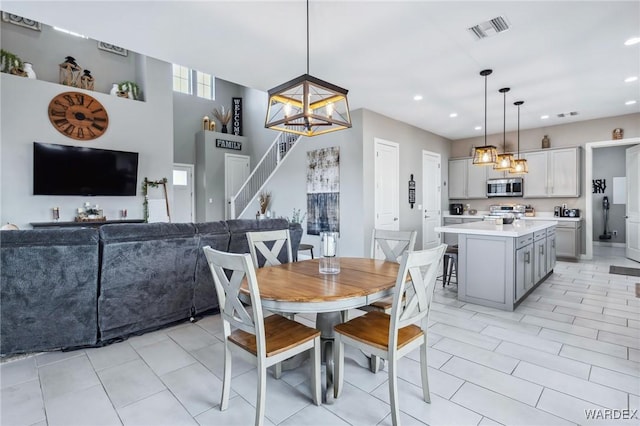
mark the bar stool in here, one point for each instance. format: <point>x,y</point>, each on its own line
<point>449,263</point>
<point>303,247</point>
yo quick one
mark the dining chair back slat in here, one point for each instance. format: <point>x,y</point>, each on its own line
<point>266,247</point>
<point>392,243</point>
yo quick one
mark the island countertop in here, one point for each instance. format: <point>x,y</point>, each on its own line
<point>517,229</point>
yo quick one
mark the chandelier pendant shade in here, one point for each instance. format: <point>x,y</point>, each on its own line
<point>307,105</point>
<point>519,166</point>
<point>485,155</point>
<point>504,160</point>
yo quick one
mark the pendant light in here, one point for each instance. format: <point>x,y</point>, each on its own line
<point>519,166</point>
<point>485,155</point>
<point>503,163</point>
<point>307,105</point>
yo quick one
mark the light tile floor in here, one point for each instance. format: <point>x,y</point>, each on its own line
<point>573,345</point>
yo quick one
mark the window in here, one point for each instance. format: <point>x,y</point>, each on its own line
<point>182,79</point>
<point>190,82</point>
<point>179,177</point>
<point>204,85</point>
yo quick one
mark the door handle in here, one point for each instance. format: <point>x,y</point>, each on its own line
<point>395,218</point>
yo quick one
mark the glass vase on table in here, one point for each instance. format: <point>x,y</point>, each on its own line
<point>329,260</point>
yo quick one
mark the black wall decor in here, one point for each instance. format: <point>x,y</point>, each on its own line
<point>412,191</point>
<point>236,117</point>
<point>599,185</point>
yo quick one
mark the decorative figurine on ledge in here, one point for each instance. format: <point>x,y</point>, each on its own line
<point>70,72</point>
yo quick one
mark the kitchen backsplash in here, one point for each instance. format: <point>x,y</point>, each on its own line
<point>539,204</point>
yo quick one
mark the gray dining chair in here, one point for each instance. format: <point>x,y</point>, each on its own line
<point>392,336</point>
<point>264,341</point>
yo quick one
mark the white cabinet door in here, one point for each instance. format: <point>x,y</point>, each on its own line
<point>535,182</point>
<point>476,180</point>
<point>563,173</point>
<point>458,179</point>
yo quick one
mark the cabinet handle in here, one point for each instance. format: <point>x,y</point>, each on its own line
<point>541,250</point>
<point>527,257</point>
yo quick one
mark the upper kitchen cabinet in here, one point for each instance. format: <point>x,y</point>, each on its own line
<point>466,180</point>
<point>553,173</point>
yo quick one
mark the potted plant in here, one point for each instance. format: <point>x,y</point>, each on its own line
<point>131,89</point>
<point>223,117</point>
<point>264,199</point>
<point>10,62</point>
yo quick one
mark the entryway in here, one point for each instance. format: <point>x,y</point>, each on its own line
<point>183,196</point>
<point>386,197</point>
<point>432,201</point>
<point>236,171</point>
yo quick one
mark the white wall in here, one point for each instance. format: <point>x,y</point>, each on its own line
<point>143,127</point>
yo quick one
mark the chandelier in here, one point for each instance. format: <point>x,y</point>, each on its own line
<point>485,155</point>
<point>519,166</point>
<point>307,105</point>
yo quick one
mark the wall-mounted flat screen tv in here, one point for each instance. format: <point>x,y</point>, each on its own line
<point>76,170</point>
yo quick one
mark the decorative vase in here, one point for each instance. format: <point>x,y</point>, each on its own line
<point>28,68</point>
<point>114,89</point>
<point>224,129</point>
<point>616,134</point>
<point>546,142</point>
<point>329,259</point>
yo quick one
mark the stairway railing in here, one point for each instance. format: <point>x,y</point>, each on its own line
<point>261,174</point>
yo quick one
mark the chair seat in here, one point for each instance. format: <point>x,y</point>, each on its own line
<point>280,333</point>
<point>372,328</point>
<point>383,304</point>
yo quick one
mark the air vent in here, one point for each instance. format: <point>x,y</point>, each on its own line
<point>567,114</point>
<point>489,28</point>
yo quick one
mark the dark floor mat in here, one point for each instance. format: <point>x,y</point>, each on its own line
<point>621,270</point>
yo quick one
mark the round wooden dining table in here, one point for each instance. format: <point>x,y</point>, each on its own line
<point>299,287</point>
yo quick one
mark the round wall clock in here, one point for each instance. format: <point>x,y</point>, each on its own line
<point>78,116</point>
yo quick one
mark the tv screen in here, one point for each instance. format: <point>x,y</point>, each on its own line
<point>75,170</point>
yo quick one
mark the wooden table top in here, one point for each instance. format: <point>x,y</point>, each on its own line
<point>300,287</point>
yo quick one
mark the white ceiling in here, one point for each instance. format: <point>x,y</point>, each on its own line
<point>558,56</point>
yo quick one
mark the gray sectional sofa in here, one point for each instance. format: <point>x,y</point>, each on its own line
<point>70,287</point>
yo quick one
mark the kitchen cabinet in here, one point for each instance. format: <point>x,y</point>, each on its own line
<point>539,255</point>
<point>551,249</point>
<point>467,181</point>
<point>524,266</point>
<point>568,238</point>
<point>553,173</point>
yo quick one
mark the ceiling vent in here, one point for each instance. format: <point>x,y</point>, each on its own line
<point>489,28</point>
<point>567,114</point>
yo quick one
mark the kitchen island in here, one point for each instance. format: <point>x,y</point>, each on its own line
<point>499,265</point>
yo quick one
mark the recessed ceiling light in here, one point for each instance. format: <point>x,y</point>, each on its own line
<point>477,128</point>
<point>630,79</point>
<point>417,98</point>
<point>453,115</point>
<point>630,102</point>
<point>632,41</point>
<point>544,117</point>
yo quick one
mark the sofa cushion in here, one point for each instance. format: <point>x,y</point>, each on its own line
<point>146,276</point>
<point>48,289</point>
<point>215,235</point>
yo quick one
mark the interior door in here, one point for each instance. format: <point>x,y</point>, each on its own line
<point>633,203</point>
<point>387,163</point>
<point>431,209</point>
<point>183,194</point>
<point>236,172</point>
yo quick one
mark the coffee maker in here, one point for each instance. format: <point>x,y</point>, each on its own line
<point>456,209</point>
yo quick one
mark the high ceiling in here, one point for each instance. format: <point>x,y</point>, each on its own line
<point>557,56</point>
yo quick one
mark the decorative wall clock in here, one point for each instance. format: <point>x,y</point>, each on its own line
<point>78,116</point>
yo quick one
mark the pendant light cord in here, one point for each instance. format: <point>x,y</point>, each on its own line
<point>485,110</point>
<point>504,122</point>
<point>307,36</point>
<point>518,132</point>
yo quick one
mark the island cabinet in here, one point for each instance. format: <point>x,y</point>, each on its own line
<point>524,265</point>
<point>499,265</point>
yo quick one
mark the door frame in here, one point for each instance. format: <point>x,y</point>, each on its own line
<point>192,171</point>
<point>438,190</point>
<point>227,195</point>
<point>588,161</point>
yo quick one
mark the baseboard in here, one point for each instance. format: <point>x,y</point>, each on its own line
<point>608,244</point>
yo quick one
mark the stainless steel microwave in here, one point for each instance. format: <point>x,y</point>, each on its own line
<point>511,187</point>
